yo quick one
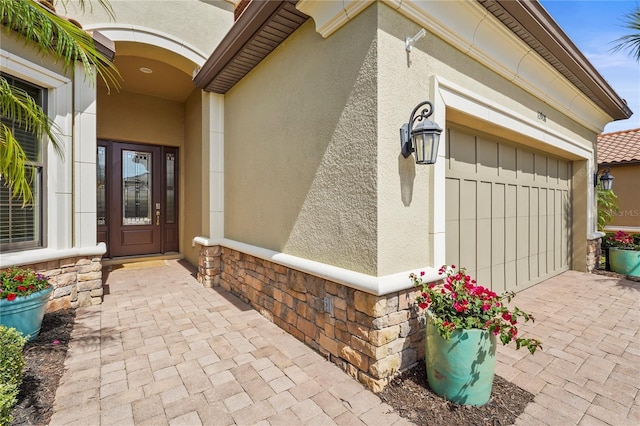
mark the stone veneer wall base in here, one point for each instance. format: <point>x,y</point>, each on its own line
<point>77,281</point>
<point>594,252</point>
<point>372,338</point>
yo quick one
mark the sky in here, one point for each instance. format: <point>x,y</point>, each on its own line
<point>594,25</point>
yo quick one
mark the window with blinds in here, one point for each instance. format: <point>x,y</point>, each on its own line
<point>20,224</point>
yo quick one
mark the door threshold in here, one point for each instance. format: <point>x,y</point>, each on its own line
<point>142,258</point>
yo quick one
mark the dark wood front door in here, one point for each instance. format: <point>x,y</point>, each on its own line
<point>137,198</point>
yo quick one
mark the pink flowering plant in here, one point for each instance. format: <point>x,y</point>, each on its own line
<point>622,240</point>
<point>16,282</point>
<point>459,304</point>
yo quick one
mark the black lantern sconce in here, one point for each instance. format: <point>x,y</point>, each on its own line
<point>422,139</point>
<point>606,180</point>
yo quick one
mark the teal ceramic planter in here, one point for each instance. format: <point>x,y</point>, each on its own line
<point>25,313</point>
<point>461,369</point>
<point>625,261</point>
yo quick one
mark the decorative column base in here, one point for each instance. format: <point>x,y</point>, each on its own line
<point>594,252</point>
<point>209,265</point>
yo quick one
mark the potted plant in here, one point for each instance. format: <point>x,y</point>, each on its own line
<point>463,322</point>
<point>624,253</point>
<point>23,298</point>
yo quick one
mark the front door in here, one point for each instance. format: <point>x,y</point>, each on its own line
<point>137,198</point>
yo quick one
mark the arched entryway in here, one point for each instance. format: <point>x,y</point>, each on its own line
<point>146,130</point>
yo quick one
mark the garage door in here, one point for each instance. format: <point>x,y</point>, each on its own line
<point>508,211</point>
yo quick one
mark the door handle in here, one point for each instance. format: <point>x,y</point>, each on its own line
<point>157,217</point>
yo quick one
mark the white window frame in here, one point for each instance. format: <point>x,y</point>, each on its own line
<point>39,182</point>
<point>57,174</point>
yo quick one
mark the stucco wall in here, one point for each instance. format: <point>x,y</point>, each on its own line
<point>432,56</point>
<point>404,209</point>
<point>126,116</point>
<point>200,23</point>
<point>297,191</point>
<point>625,186</point>
<point>300,148</point>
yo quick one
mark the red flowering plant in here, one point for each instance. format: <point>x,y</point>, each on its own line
<point>460,304</point>
<point>16,282</point>
<point>622,240</point>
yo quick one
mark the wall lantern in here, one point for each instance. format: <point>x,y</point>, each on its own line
<point>423,138</point>
<point>606,180</point>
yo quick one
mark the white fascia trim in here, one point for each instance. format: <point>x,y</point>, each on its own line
<point>330,16</point>
<point>378,286</point>
<point>629,229</point>
<point>460,98</point>
<point>29,71</point>
<point>474,31</point>
<point>140,34</point>
<point>29,257</point>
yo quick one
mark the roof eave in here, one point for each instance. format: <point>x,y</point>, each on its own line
<point>255,16</point>
<point>103,45</point>
<point>538,23</point>
<point>549,40</point>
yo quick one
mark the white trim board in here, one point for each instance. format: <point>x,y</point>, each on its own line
<point>378,286</point>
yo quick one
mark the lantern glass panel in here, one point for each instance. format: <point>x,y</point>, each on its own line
<point>426,145</point>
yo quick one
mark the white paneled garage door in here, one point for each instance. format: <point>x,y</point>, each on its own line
<point>508,211</point>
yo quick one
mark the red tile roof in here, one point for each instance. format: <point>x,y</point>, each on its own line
<point>619,147</point>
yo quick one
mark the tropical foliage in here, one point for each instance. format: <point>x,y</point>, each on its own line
<point>631,42</point>
<point>607,206</point>
<point>56,38</point>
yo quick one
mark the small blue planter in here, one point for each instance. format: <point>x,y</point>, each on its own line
<point>625,261</point>
<point>461,369</point>
<point>25,313</point>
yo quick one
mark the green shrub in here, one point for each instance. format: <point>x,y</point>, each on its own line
<point>11,363</point>
<point>8,399</point>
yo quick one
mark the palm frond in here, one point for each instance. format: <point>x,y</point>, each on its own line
<point>60,40</point>
<point>17,105</point>
<point>13,172</point>
<point>83,7</point>
<point>55,36</point>
<point>630,42</point>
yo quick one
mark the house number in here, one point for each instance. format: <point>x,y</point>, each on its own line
<point>542,117</point>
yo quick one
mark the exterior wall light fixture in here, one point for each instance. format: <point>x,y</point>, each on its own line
<point>606,180</point>
<point>422,139</point>
<point>410,41</point>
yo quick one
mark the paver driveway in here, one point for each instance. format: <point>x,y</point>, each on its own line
<point>162,349</point>
<point>589,370</point>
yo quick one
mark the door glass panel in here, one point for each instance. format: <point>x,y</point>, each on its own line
<point>171,192</point>
<point>101,193</point>
<point>136,189</point>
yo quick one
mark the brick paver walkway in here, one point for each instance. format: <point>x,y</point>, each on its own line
<point>589,370</point>
<point>162,349</point>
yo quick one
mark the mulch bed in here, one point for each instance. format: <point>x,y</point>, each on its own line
<point>43,366</point>
<point>410,395</point>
